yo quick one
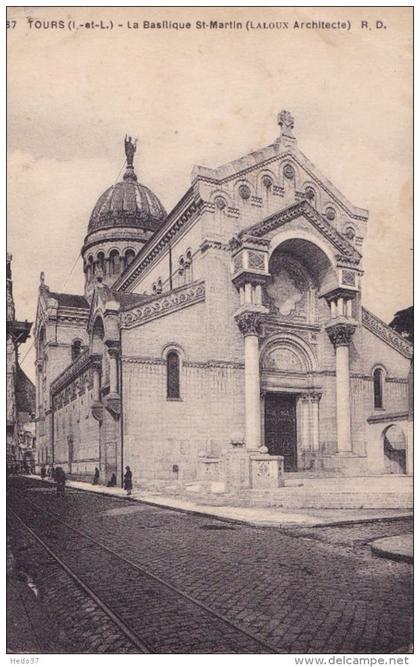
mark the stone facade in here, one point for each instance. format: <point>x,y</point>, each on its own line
<point>235,339</point>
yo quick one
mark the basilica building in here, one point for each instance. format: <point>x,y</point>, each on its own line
<point>224,341</point>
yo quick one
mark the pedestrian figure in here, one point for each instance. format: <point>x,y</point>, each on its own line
<point>128,480</point>
<point>113,480</point>
<point>49,471</point>
<point>52,472</point>
<point>96,476</point>
<point>43,472</point>
<point>60,479</point>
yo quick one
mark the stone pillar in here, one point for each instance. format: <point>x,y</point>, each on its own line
<point>96,369</point>
<point>304,431</point>
<point>113,370</point>
<point>315,398</point>
<point>249,324</point>
<point>340,335</point>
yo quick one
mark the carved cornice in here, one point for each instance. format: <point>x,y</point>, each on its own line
<point>157,361</point>
<point>249,323</point>
<point>385,333</point>
<point>388,417</point>
<point>214,244</point>
<point>303,208</point>
<point>340,334</point>
<point>163,305</point>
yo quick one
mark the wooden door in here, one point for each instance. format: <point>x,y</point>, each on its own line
<point>280,428</point>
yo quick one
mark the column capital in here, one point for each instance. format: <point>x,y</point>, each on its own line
<point>315,396</point>
<point>249,323</point>
<point>113,348</point>
<point>340,334</point>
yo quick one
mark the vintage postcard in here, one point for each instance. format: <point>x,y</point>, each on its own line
<point>210,332</point>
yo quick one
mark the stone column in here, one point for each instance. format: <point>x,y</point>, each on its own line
<point>249,324</point>
<point>315,398</point>
<point>340,335</point>
<point>113,370</point>
<point>96,369</point>
<point>304,430</point>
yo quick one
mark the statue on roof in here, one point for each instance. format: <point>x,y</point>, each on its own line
<point>130,149</point>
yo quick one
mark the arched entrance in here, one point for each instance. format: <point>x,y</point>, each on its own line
<point>290,410</point>
<point>395,450</point>
<point>300,271</point>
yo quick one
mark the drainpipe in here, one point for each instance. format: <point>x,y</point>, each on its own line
<point>52,431</point>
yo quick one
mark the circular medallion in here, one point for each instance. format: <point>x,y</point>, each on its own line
<point>220,203</point>
<point>330,213</point>
<point>309,193</point>
<point>350,233</point>
<point>288,171</point>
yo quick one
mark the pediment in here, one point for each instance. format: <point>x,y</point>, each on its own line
<point>273,161</point>
<point>264,229</point>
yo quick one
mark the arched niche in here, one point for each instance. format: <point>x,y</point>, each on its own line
<point>97,338</point>
<point>300,271</point>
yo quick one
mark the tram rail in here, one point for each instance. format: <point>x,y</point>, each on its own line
<point>187,622</point>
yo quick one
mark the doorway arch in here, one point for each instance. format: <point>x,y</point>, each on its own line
<point>394,442</point>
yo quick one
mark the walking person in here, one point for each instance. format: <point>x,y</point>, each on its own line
<point>43,472</point>
<point>96,476</point>
<point>128,480</point>
<point>60,479</point>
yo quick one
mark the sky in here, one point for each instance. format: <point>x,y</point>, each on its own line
<point>203,97</point>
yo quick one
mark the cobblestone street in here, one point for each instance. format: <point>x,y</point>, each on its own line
<point>295,590</point>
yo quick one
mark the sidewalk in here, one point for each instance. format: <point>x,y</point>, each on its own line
<point>399,547</point>
<point>255,516</point>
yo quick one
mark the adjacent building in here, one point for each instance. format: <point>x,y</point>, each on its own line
<point>20,412</point>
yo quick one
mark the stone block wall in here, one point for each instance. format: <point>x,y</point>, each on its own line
<point>160,433</point>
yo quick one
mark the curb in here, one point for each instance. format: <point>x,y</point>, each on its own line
<point>249,522</point>
<point>391,555</point>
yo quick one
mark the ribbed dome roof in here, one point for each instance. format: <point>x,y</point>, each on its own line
<point>127,204</point>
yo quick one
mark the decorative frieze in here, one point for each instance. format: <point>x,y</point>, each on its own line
<point>385,333</point>
<point>157,361</point>
<point>163,305</point>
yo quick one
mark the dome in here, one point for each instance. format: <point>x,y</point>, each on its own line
<point>127,204</point>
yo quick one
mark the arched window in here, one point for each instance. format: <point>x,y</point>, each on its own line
<point>129,256</point>
<point>378,388</point>
<point>188,267</point>
<point>114,261</point>
<point>172,375</point>
<point>101,261</point>
<point>76,349</point>
<point>181,271</point>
